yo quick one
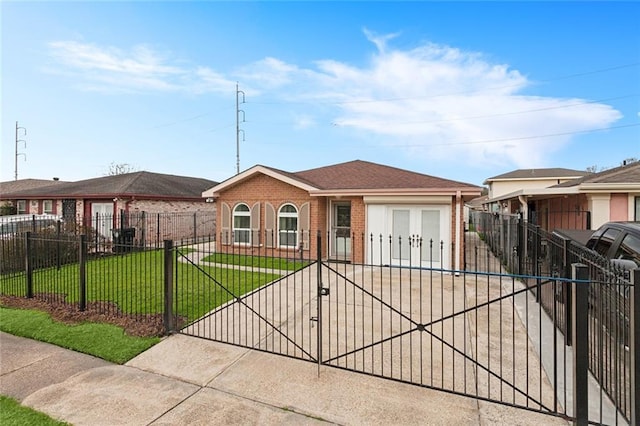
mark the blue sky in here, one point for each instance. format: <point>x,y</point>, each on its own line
<point>460,90</point>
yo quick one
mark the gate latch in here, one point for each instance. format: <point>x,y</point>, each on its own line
<point>313,321</point>
<point>324,291</point>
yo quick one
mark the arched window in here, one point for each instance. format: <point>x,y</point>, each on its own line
<point>288,226</point>
<point>242,224</point>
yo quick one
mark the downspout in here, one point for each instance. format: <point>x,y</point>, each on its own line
<point>458,225</point>
<point>524,207</point>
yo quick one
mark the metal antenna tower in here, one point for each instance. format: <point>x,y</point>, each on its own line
<point>17,143</point>
<point>238,129</point>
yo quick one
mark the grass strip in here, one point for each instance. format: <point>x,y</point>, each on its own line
<point>104,341</point>
<point>134,282</point>
<point>276,263</point>
<point>14,414</point>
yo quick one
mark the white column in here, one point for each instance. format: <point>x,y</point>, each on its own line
<point>599,206</point>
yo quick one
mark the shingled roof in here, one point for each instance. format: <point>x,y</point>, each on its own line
<point>539,174</point>
<point>628,173</point>
<point>355,177</point>
<point>360,174</point>
<point>25,184</point>
<point>138,184</point>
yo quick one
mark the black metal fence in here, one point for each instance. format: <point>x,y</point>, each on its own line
<point>137,228</point>
<point>541,257</point>
<point>465,332</point>
<point>117,281</point>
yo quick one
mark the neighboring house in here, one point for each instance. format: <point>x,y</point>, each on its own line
<point>502,186</point>
<point>110,195</point>
<point>22,185</point>
<point>356,204</point>
<point>582,203</point>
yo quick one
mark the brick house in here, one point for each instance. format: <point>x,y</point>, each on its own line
<point>355,207</point>
<point>111,197</point>
<point>584,203</point>
<point>11,186</point>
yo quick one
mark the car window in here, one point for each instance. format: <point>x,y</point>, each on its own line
<point>605,242</point>
<point>629,249</point>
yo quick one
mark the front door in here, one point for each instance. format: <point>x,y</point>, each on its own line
<point>102,218</point>
<point>341,231</point>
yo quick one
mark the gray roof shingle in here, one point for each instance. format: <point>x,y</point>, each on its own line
<point>629,173</point>
<point>25,184</point>
<point>139,184</point>
<point>540,174</point>
<point>360,174</point>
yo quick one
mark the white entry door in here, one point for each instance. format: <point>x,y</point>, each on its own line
<point>419,235</point>
<point>102,218</point>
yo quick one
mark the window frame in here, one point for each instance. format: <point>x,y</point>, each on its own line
<point>289,232</point>
<point>44,206</point>
<point>22,210</point>
<point>236,213</point>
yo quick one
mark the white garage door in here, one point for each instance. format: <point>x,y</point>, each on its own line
<point>420,235</point>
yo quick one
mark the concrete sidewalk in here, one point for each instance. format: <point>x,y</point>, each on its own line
<point>187,380</point>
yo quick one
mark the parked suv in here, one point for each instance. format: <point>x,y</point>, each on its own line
<point>618,242</point>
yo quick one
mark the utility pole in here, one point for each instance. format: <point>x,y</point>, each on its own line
<point>238,129</point>
<point>17,143</point>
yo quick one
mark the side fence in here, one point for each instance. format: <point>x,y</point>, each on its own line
<point>528,250</point>
<point>138,228</point>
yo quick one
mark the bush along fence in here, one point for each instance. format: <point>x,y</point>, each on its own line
<point>532,252</point>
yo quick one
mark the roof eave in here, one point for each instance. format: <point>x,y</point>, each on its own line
<point>609,187</point>
<point>532,192</point>
<point>394,191</point>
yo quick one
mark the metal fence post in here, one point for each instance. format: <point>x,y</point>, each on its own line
<point>566,291</point>
<point>634,346</point>
<point>580,334</point>
<point>195,228</point>
<point>28,266</point>
<point>168,287</point>
<point>319,296</point>
<point>536,255</point>
<point>82,260</point>
<point>157,229</point>
<point>521,245</point>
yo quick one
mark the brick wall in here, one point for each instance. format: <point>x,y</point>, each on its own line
<point>262,189</point>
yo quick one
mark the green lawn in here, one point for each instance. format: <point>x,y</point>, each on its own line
<point>104,341</point>
<point>256,261</point>
<point>135,282</point>
<point>14,414</point>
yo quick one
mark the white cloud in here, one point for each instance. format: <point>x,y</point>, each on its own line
<point>441,102</point>
<point>140,68</point>
<point>434,101</point>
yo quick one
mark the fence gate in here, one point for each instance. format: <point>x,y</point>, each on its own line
<point>258,301</point>
<point>477,334</point>
<point>457,333</point>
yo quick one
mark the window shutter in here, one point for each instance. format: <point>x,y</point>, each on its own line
<point>305,225</point>
<point>269,224</point>
<point>225,236</point>
<point>255,225</point>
